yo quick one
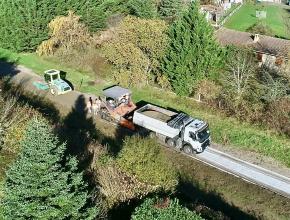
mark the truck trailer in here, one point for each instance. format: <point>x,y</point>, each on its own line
<point>177,130</point>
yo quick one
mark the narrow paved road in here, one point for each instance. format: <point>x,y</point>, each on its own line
<point>225,162</point>
<point>250,172</point>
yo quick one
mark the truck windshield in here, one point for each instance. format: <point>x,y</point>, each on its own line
<point>203,135</point>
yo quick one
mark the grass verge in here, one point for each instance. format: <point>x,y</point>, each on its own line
<point>225,130</point>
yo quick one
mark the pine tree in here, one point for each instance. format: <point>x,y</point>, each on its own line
<point>193,54</point>
<point>170,8</point>
<point>24,22</point>
<point>42,184</point>
<point>142,8</point>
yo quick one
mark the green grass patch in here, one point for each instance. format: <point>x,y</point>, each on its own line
<point>225,130</point>
<point>245,17</point>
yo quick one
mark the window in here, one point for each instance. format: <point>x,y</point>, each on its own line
<point>192,135</point>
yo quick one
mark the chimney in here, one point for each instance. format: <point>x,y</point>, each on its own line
<point>256,38</point>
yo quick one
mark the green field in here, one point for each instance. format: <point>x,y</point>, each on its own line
<point>245,17</point>
<point>225,130</point>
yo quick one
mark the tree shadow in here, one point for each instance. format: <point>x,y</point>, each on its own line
<point>193,194</point>
<point>37,102</point>
<point>7,68</point>
<point>78,130</point>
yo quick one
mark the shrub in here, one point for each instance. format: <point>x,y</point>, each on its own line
<point>117,186</point>
<point>260,28</point>
<point>11,118</point>
<point>277,115</point>
<point>163,209</point>
<point>142,158</point>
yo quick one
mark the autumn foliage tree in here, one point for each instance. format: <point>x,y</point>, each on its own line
<point>66,33</point>
<point>135,49</point>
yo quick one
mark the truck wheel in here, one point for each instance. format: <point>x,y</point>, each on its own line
<point>188,149</point>
<point>170,142</point>
<point>152,135</point>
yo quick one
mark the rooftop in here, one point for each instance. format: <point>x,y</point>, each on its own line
<point>265,44</point>
<point>116,92</point>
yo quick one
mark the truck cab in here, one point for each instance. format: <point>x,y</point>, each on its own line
<point>197,135</point>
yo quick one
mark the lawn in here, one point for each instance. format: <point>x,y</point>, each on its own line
<point>225,130</point>
<point>245,17</point>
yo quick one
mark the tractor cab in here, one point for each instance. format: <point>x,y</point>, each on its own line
<point>57,85</point>
<point>51,75</point>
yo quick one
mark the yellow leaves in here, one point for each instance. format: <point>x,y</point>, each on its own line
<point>135,49</point>
<point>65,32</point>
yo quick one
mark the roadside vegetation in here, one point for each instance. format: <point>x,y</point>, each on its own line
<point>275,23</point>
<point>166,53</point>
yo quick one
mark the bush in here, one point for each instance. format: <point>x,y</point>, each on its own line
<point>12,117</point>
<point>260,28</point>
<point>166,209</point>
<point>117,186</point>
<point>277,115</point>
<point>142,158</point>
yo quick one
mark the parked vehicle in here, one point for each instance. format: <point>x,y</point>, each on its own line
<point>177,130</point>
<point>53,82</point>
<point>57,85</point>
<point>117,106</point>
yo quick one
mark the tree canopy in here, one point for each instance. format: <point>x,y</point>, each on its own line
<point>24,22</point>
<point>193,54</point>
<point>163,209</point>
<point>42,184</point>
<point>135,49</point>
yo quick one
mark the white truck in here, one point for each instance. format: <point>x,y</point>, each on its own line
<point>177,130</point>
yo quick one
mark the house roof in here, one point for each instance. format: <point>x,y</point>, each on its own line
<point>265,44</point>
<point>116,92</point>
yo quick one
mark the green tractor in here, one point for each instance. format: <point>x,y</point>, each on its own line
<point>54,83</point>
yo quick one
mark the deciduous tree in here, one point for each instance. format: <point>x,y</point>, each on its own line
<point>136,49</point>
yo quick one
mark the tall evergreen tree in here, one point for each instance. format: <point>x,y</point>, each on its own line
<point>42,184</point>
<point>142,8</point>
<point>170,8</point>
<point>193,54</point>
<point>24,22</point>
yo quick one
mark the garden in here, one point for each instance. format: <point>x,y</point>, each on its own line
<point>276,18</point>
